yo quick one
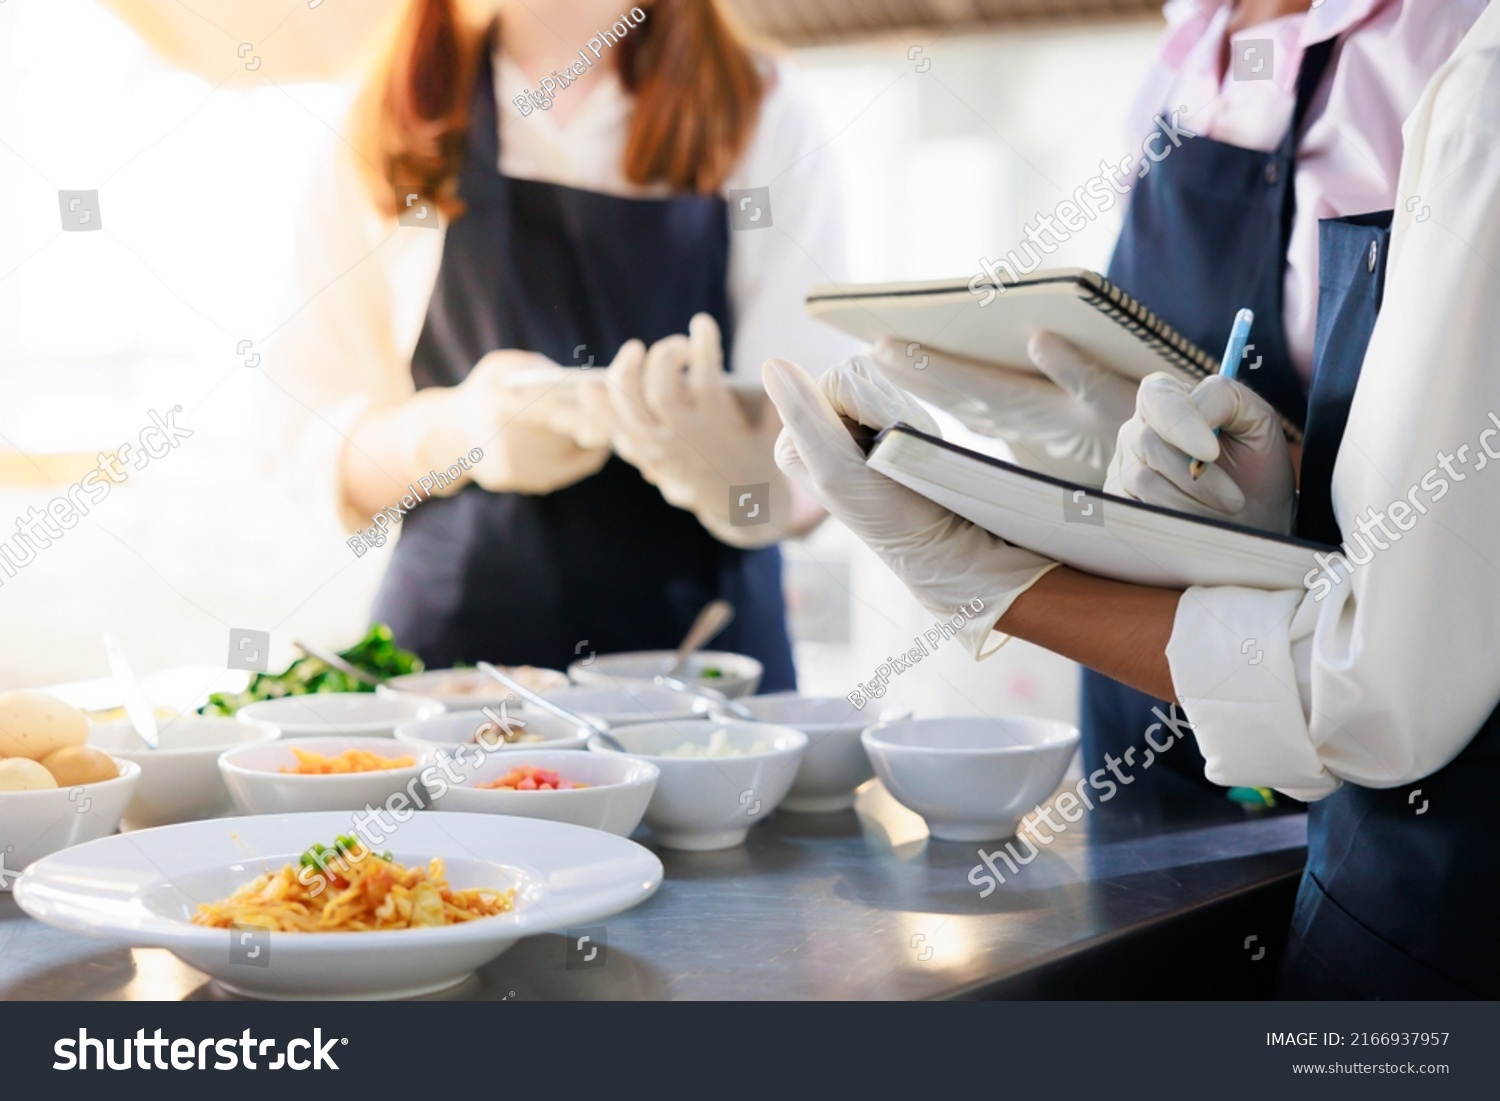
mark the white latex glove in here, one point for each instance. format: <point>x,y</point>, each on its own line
<point>671,413</point>
<point>1063,422</point>
<point>1250,479</point>
<point>946,561</point>
<point>517,407</point>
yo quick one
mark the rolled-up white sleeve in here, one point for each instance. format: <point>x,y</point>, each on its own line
<point>772,269</point>
<point>1383,676</point>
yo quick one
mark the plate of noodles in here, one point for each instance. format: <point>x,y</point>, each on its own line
<point>312,906</point>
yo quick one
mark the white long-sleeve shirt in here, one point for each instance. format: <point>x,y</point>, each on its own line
<point>362,283</point>
<point>1384,676</point>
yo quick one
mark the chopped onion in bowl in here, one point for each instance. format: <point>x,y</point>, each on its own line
<point>718,746</point>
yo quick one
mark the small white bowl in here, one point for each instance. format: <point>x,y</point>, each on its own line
<point>739,675</point>
<point>835,762</point>
<point>619,787</point>
<point>331,714</point>
<point>34,824</point>
<point>972,779</point>
<point>180,780</point>
<point>628,702</point>
<point>534,730</point>
<point>469,689</point>
<point>704,803</point>
<point>258,786</point>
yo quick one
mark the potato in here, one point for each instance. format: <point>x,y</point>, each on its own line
<point>33,724</point>
<point>23,774</point>
<point>80,764</point>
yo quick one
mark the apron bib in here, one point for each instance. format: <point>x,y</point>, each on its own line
<point>1393,904</point>
<point>606,564</point>
<point>1206,233</point>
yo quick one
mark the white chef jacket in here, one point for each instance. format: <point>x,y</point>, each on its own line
<point>1385,677</point>
<point>362,284</point>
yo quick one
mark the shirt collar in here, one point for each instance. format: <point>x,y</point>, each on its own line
<point>1334,17</point>
<point>1188,19</point>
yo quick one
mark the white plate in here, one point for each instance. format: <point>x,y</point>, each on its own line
<point>144,887</point>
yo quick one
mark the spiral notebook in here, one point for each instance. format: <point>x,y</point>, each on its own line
<point>974,320</point>
<point>1088,529</point>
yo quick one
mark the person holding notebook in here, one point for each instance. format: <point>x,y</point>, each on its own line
<point>1374,690</point>
<point>570,222</point>
<point>1297,110</point>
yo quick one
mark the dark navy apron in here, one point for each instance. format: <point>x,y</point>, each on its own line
<point>1205,234</point>
<point>1399,897</point>
<point>606,564</point>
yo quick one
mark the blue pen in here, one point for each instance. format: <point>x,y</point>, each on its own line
<point>1229,367</point>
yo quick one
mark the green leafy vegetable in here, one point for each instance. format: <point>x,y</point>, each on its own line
<point>376,653</point>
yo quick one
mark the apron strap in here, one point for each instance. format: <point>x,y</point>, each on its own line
<point>1315,62</point>
<point>482,141</point>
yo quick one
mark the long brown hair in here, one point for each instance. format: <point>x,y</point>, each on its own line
<point>691,70</point>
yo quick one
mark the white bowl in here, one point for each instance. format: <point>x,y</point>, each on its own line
<point>469,689</point>
<point>619,787</point>
<point>34,824</point>
<point>835,762</point>
<point>144,888</point>
<point>327,714</point>
<point>258,786</point>
<point>711,802</point>
<point>972,779</point>
<point>628,702</point>
<point>451,729</point>
<point>180,780</point>
<point>739,674</point>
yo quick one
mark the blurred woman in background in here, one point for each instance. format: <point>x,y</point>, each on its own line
<point>579,158</point>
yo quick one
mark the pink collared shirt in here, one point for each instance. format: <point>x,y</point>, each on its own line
<point>1349,157</point>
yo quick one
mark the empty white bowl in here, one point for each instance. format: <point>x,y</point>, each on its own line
<point>835,762</point>
<point>972,779</point>
<point>706,803</point>
<point>619,787</point>
<point>469,689</point>
<point>628,702</point>
<point>534,730</point>
<point>180,780</point>
<point>258,786</point>
<point>330,714</point>
<point>737,674</point>
<point>34,824</point>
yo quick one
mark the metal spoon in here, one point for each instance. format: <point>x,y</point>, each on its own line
<point>712,695</point>
<point>547,705</point>
<point>714,617</point>
<point>328,657</point>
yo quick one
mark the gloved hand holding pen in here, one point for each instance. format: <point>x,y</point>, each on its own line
<point>1250,479</point>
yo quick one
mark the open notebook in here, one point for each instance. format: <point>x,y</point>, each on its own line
<point>1087,528</point>
<point>975,321</point>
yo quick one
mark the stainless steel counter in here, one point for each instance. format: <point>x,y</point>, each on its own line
<point>854,905</point>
